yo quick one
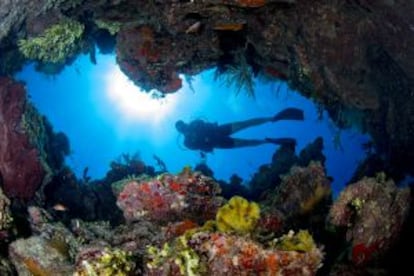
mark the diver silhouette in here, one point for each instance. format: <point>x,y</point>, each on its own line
<point>204,136</point>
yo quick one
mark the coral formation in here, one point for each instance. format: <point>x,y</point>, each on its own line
<point>103,261</point>
<point>352,55</point>
<point>35,256</point>
<point>302,189</point>
<point>301,241</point>
<point>22,171</point>
<point>5,215</point>
<point>238,216</point>
<point>56,44</point>
<point>213,253</point>
<point>140,62</point>
<point>373,211</point>
<point>169,198</point>
<point>112,27</point>
<point>353,58</point>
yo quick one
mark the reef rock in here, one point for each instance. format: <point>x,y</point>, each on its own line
<point>36,256</point>
<point>20,167</point>
<point>373,212</point>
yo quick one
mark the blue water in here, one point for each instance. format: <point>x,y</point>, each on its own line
<point>105,115</point>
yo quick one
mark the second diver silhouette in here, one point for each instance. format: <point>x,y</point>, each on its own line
<point>205,136</point>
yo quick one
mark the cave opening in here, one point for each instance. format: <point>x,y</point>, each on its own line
<point>103,166</point>
<point>106,116</point>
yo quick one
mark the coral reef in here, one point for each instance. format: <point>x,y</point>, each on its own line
<point>103,261</point>
<point>269,176</point>
<point>302,189</point>
<point>169,198</point>
<point>205,253</point>
<point>373,211</point>
<point>353,58</point>
<point>35,256</point>
<point>112,27</point>
<point>30,152</point>
<point>5,215</point>
<point>301,241</point>
<point>22,172</point>
<point>55,45</point>
<point>140,61</point>
<point>238,216</point>
<point>347,56</point>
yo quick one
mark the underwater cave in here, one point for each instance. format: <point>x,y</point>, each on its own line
<point>294,154</point>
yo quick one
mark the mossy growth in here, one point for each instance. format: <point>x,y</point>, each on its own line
<point>111,26</point>
<point>301,241</point>
<point>111,262</point>
<point>5,215</point>
<point>33,124</point>
<point>238,216</point>
<point>238,75</point>
<point>179,254</point>
<point>55,44</point>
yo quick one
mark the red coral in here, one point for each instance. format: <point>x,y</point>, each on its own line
<point>251,3</point>
<point>145,57</point>
<point>170,198</point>
<point>362,253</point>
<point>174,230</point>
<point>20,168</point>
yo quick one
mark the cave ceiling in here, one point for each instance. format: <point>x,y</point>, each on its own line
<point>353,58</point>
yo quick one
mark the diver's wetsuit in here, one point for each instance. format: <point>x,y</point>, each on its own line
<point>207,136</point>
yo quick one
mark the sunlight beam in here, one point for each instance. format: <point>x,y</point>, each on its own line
<point>133,104</point>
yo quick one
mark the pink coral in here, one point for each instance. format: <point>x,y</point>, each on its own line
<point>170,198</point>
<point>223,254</point>
<point>20,167</point>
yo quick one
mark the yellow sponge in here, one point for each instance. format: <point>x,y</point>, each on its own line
<point>238,215</point>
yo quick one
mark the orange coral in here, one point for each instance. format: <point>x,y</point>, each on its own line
<point>251,3</point>
<point>229,27</point>
<point>179,228</point>
<point>272,264</point>
<point>35,268</point>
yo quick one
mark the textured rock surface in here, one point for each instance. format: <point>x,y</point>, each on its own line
<point>352,57</point>
<point>35,256</point>
<point>20,167</point>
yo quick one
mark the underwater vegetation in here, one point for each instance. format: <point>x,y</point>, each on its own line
<point>55,44</point>
<point>238,75</point>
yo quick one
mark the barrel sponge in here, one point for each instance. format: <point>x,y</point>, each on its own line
<point>238,216</point>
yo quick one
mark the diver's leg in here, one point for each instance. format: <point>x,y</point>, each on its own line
<point>290,113</point>
<point>229,143</point>
<point>237,126</point>
<point>240,143</point>
<point>281,141</point>
<point>286,114</point>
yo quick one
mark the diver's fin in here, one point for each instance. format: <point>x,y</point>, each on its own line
<point>282,141</point>
<point>289,114</point>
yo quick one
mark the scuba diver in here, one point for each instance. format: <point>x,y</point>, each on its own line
<point>204,136</point>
